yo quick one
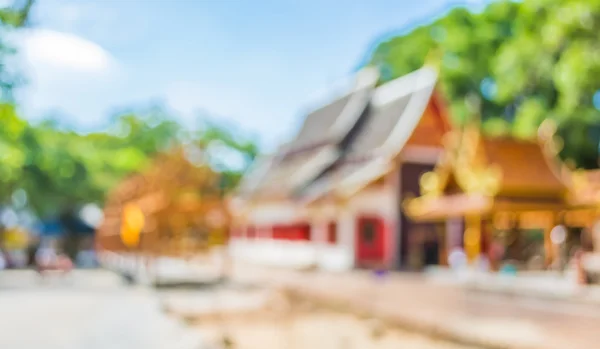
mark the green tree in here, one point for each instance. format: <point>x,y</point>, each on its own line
<point>61,169</point>
<point>468,41</point>
<point>524,61</point>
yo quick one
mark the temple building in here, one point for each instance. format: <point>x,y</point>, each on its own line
<point>331,198</point>
<point>487,190</point>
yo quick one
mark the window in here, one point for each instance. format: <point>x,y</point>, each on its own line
<point>332,233</point>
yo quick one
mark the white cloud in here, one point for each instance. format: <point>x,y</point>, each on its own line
<point>65,51</point>
<point>66,73</point>
<point>105,22</point>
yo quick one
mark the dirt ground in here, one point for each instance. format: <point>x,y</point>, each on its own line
<point>282,327</point>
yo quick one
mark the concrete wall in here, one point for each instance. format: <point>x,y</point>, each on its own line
<point>377,201</point>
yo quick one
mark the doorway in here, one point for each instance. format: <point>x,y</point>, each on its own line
<point>370,242</point>
<point>410,175</point>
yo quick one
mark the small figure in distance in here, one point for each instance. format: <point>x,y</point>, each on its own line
<point>48,260</point>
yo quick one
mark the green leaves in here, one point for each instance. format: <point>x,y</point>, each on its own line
<point>59,168</point>
<point>527,61</point>
<point>17,14</point>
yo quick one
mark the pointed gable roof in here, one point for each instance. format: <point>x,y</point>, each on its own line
<point>472,159</point>
<point>586,188</point>
<point>316,145</point>
<point>395,111</point>
<point>317,124</point>
<point>255,174</point>
<point>329,123</point>
<point>477,172</point>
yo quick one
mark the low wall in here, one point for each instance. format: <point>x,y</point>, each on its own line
<point>163,269</point>
<point>292,254</point>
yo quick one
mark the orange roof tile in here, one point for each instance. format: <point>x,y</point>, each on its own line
<point>525,168</point>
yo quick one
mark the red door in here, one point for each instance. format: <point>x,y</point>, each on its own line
<point>370,242</point>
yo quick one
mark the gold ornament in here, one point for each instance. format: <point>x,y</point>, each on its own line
<point>132,225</point>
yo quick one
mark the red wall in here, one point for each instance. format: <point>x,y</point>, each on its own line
<point>293,232</point>
<point>251,232</point>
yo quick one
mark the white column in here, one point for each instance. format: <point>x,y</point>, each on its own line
<point>392,217</point>
<point>397,243</point>
<point>266,231</point>
<point>318,229</point>
<point>346,225</point>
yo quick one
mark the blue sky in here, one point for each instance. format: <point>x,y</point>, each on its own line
<point>253,63</point>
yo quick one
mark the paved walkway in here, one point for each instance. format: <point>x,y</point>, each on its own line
<point>562,287</point>
<point>90,309</point>
<point>446,310</point>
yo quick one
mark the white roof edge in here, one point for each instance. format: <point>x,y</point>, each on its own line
<point>365,175</point>
<point>322,159</point>
<point>424,83</point>
<point>325,96</point>
<point>315,192</point>
<point>404,85</point>
<point>353,182</point>
<point>365,79</point>
<point>424,78</point>
<point>257,170</point>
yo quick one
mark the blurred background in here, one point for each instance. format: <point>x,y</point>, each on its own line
<point>434,157</point>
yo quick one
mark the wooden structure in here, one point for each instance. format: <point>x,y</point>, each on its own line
<point>331,197</point>
<point>183,206</point>
<point>486,184</point>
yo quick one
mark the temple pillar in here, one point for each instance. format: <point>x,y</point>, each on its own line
<point>319,231</point>
<point>265,232</point>
<point>487,236</point>
<point>347,232</point>
<point>548,245</point>
<point>454,233</point>
<point>473,237</point>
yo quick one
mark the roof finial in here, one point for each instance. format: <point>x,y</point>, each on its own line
<point>547,129</point>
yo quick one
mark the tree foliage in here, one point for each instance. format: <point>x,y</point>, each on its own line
<point>523,61</point>
<point>61,169</point>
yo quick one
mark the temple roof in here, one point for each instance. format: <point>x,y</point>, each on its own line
<point>290,173</point>
<point>317,124</point>
<point>395,112</point>
<point>255,175</point>
<point>330,122</point>
<point>586,188</point>
<point>503,162</point>
<point>501,172</point>
<point>315,147</point>
<point>516,159</point>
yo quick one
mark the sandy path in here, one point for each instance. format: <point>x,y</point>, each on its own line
<point>319,329</point>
